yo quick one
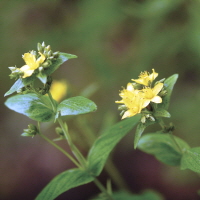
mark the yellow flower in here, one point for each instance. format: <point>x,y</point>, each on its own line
<point>31,63</point>
<point>58,89</point>
<point>145,78</point>
<point>150,94</point>
<point>133,100</point>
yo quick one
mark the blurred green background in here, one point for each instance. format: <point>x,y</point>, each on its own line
<point>114,40</point>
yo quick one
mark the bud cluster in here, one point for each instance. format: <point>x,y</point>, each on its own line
<point>30,131</point>
<point>48,53</point>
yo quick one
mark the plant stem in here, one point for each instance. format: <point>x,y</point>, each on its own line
<point>102,189</point>
<point>60,149</point>
<point>162,124</point>
<point>74,149</point>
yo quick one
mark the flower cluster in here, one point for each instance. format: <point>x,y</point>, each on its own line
<point>139,95</point>
<point>34,60</point>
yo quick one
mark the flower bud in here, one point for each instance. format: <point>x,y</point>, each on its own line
<point>40,48</point>
<point>56,54</point>
<point>49,53</point>
<point>43,45</point>
<point>30,131</point>
<point>59,131</point>
<point>51,57</point>
<point>48,48</point>
<point>143,119</point>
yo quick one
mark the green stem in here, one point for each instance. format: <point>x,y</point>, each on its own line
<point>74,149</point>
<point>60,149</point>
<point>162,124</point>
<point>102,189</point>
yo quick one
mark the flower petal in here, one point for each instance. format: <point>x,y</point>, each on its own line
<point>157,99</point>
<point>157,88</point>
<point>29,59</point>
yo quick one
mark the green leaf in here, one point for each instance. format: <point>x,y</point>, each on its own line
<point>146,195</point>
<point>102,147</point>
<point>163,147</point>
<point>63,182</point>
<point>31,105</point>
<point>63,57</point>
<point>16,86</point>
<point>191,159</point>
<point>139,130</point>
<point>161,113</point>
<point>168,84</point>
<point>76,106</point>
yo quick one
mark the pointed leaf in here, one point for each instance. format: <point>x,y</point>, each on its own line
<point>76,106</point>
<point>163,147</point>
<point>63,57</point>
<point>31,105</point>
<point>63,182</point>
<point>191,159</point>
<point>102,147</point>
<point>16,86</point>
<point>168,84</point>
<point>161,113</point>
<point>139,130</point>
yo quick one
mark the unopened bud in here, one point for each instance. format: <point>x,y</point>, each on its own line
<point>43,44</point>
<point>48,48</point>
<point>59,131</point>
<point>40,48</point>
<point>143,119</point>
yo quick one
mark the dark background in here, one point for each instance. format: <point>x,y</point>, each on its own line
<point>114,41</point>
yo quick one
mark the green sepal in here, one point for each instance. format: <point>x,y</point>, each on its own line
<point>161,113</point>
<point>104,144</point>
<point>75,106</point>
<point>32,106</point>
<point>146,195</point>
<point>163,147</point>
<point>168,85</point>
<point>191,159</point>
<point>63,182</point>
<point>139,130</point>
<point>62,57</point>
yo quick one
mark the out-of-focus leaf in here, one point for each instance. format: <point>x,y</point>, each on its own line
<point>163,147</point>
<point>102,147</point>
<point>63,182</point>
<point>191,159</point>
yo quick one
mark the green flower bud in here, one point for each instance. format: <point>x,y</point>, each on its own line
<point>41,69</point>
<point>46,64</point>
<point>59,131</point>
<point>40,48</point>
<point>162,93</point>
<point>56,54</point>
<point>51,57</point>
<point>122,107</point>
<point>48,48</point>
<point>143,119</point>
<point>30,131</point>
<point>43,45</point>
<point>49,53</point>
